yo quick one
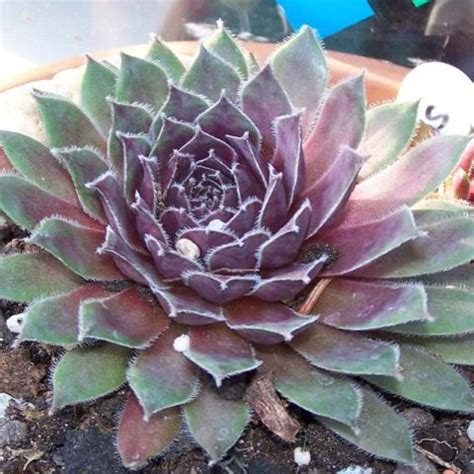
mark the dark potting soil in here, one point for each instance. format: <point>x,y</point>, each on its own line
<point>80,439</point>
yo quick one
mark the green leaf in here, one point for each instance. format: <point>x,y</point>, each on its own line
<point>253,65</point>
<point>346,352</point>
<point>441,246</point>
<point>226,48</point>
<point>34,161</point>
<point>429,381</point>
<point>215,423</point>
<point>139,440</point>
<point>452,310</point>
<point>65,124</point>
<point>220,351</point>
<point>388,132</point>
<point>76,247</point>
<point>161,377</point>
<point>98,83</point>
<point>142,81</point>
<point>312,389</point>
<point>55,320</point>
<point>159,52</point>
<point>454,350</point>
<point>84,165</point>
<point>301,68</point>
<point>380,431</point>
<point>88,373</point>
<point>208,75</point>
<point>460,277</point>
<point>30,276</point>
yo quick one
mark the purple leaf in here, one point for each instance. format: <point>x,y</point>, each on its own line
<point>361,306</point>
<point>51,277</point>
<point>358,246</point>
<point>127,318</point>
<point>347,352</point>
<point>283,247</point>
<point>187,307</point>
<point>288,157</point>
<point>246,217</point>
<point>161,377</point>
<point>219,351</point>
<point>148,186</point>
<point>206,238</point>
<point>146,223</point>
<point>275,203</point>
<point>430,162</point>
<point>238,255</point>
<point>139,440</point>
<point>224,118</point>
<point>135,265</point>
<point>287,282</point>
<point>344,106</point>
<point>174,220</point>
<point>76,247</point>
<point>248,185</point>
<point>134,146</point>
<point>27,205</point>
<point>170,263</point>
<point>55,319</point>
<point>263,99</point>
<point>330,191</point>
<point>219,289</point>
<point>264,323</point>
<point>119,215</point>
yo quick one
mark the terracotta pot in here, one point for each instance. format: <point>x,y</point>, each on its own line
<point>382,77</point>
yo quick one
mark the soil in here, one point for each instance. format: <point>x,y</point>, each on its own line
<point>81,439</point>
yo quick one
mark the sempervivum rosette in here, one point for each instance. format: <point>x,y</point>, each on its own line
<point>180,211</point>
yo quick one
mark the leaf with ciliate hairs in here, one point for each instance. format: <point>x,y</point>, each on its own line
<point>300,66</point>
<point>429,381</point>
<point>35,162</point>
<point>312,389</point>
<point>65,124</point>
<point>102,366</point>
<point>441,246</point>
<point>209,75</point>
<point>347,352</point>
<point>27,205</point>
<point>162,377</point>
<point>381,431</point>
<point>220,352</point>
<point>452,312</point>
<point>142,81</point>
<point>51,277</point>
<point>127,318</point>
<point>75,246</point>
<point>362,306</point>
<point>160,53</point>
<point>55,319</point>
<point>388,132</point>
<point>139,440</point>
<point>215,423</point>
<point>98,83</point>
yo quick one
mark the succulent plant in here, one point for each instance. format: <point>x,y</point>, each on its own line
<point>230,220</point>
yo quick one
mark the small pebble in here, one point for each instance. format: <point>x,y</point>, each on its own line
<point>302,457</point>
<point>470,431</point>
<point>4,402</point>
<point>12,432</point>
<point>14,323</point>
<point>181,343</point>
<point>355,470</point>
